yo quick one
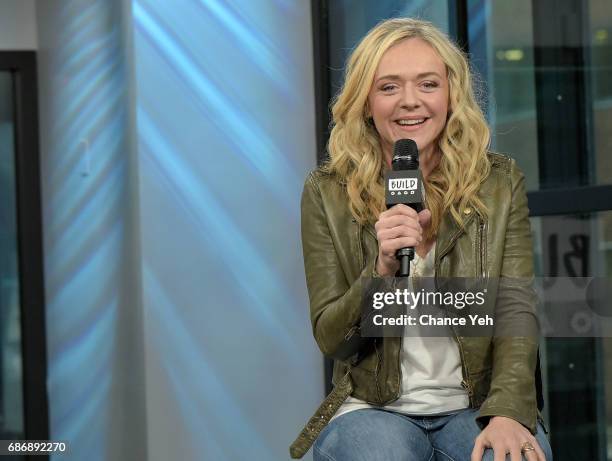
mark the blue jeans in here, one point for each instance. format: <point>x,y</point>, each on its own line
<point>375,434</point>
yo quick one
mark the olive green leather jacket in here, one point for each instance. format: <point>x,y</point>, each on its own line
<point>340,256</point>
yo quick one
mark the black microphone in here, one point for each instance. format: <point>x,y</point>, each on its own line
<point>404,184</point>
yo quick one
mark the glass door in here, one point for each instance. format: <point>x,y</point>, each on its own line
<point>23,363</point>
<point>548,72</point>
<point>11,378</point>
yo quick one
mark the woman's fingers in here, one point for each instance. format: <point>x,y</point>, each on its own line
<point>399,209</point>
<point>425,218</point>
<point>478,451</point>
<point>532,456</point>
<point>500,451</point>
<point>538,450</point>
<point>397,220</point>
<point>515,454</point>
<point>537,454</point>
<point>405,215</point>
<point>402,230</point>
<point>398,232</point>
<point>398,227</point>
<point>389,247</point>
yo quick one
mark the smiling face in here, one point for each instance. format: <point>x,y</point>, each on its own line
<point>409,96</point>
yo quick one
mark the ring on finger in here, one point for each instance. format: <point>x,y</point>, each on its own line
<point>527,446</point>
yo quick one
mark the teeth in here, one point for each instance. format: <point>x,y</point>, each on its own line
<point>411,122</point>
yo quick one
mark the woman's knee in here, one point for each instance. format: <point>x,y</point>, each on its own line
<point>372,435</point>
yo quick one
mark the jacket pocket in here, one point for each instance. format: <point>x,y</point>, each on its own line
<point>366,385</point>
<point>365,368</point>
<point>368,359</point>
<point>365,375</point>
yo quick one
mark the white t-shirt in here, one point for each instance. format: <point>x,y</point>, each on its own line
<point>431,368</point>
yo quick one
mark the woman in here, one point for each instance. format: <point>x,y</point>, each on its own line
<point>456,398</point>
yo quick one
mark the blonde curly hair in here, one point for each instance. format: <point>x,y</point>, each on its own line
<point>354,147</point>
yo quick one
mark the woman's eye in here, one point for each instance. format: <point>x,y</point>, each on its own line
<point>388,87</point>
<point>430,85</point>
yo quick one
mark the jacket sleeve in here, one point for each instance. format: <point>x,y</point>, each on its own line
<point>513,390</point>
<point>335,304</point>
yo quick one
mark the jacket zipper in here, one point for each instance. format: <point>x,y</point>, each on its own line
<point>377,370</point>
<point>360,246</point>
<point>465,382</point>
<point>399,368</point>
<point>399,361</point>
<point>483,249</point>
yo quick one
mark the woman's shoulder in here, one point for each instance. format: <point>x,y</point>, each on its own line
<point>326,190</point>
<point>504,180</point>
<point>500,162</point>
<point>503,168</point>
<point>323,178</point>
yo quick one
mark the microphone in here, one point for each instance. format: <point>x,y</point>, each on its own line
<point>404,184</point>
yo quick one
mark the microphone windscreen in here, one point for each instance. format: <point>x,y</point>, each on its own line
<point>405,147</point>
<point>405,155</point>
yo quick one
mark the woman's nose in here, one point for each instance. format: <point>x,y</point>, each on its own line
<point>410,97</point>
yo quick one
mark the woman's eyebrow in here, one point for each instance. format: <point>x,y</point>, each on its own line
<point>389,77</point>
<point>398,77</point>
<point>428,74</point>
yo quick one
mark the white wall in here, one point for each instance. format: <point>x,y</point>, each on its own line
<point>18,25</point>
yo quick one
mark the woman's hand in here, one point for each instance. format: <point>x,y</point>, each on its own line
<point>398,227</point>
<point>506,436</point>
